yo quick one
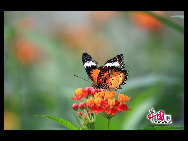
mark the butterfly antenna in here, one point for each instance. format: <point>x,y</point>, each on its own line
<point>83,78</point>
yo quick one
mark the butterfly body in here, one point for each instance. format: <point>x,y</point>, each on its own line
<point>110,76</point>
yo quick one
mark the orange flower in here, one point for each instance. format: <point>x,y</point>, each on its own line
<point>127,98</point>
<point>146,21</point>
<point>123,98</point>
<point>102,94</point>
<point>113,94</point>
<point>108,95</point>
<point>111,102</point>
<point>97,95</point>
<point>78,94</point>
<point>90,101</point>
<point>97,101</point>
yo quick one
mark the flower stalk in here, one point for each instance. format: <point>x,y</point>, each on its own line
<point>108,123</point>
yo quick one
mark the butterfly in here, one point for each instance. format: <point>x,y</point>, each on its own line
<point>110,76</point>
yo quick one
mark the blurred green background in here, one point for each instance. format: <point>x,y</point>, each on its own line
<point>42,52</point>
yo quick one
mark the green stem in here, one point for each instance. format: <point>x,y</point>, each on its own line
<point>108,123</point>
<point>90,126</point>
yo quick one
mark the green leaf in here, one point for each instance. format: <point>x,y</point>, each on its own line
<point>163,128</point>
<point>61,121</point>
<point>178,16</point>
<point>139,108</point>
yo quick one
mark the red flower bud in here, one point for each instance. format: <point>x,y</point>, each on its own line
<point>87,105</point>
<point>88,89</point>
<point>93,91</point>
<point>82,105</point>
<point>75,106</point>
<point>85,93</point>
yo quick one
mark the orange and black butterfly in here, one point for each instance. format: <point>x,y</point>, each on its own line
<point>110,76</point>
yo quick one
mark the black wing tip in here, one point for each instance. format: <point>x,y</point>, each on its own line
<point>86,57</point>
<point>121,56</point>
<point>85,53</point>
<point>121,61</point>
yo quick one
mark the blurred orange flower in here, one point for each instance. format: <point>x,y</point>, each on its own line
<point>25,51</point>
<point>11,121</point>
<point>147,21</point>
<point>102,16</point>
<point>24,25</point>
<point>83,37</point>
<point>76,36</point>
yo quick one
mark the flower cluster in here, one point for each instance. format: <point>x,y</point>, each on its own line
<point>100,101</point>
<point>105,102</point>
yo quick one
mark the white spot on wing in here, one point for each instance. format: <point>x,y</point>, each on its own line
<point>114,64</point>
<point>89,64</point>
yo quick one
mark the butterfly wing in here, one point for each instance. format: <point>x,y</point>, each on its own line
<point>115,80</point>
<point>116,62</point>
<point>116,73</point>
<point>90,67</point>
